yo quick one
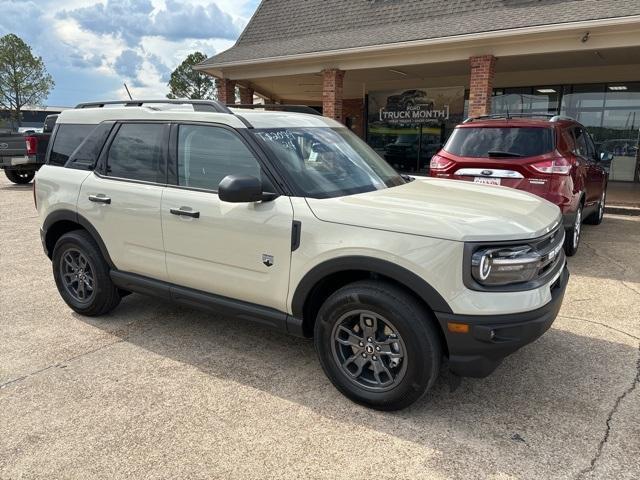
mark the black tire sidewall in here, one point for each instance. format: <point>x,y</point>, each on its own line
<point>14,176</point>
<point>413,322</point>
<point>106,294</point>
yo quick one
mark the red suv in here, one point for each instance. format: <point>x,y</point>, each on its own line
<point>553,157</point>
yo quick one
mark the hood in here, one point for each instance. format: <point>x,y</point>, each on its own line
<point>448,209</point>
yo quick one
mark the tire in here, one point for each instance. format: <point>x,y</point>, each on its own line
<point>411,358</point>
<point>573,235</point>
<point>596,217</point>
<point>69,268</point>
<point>20,177</point>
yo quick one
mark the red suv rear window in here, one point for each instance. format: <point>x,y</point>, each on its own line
<point>500,142</point>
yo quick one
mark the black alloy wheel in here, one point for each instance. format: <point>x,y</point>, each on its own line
<point>370,350</point>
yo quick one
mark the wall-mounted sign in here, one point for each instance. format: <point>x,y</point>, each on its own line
<point>416,106</point>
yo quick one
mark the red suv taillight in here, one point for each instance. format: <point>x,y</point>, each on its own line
<point>559,166</point>
<point>32,145</point>
<point>439,163</point>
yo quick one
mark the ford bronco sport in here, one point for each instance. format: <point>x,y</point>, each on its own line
<point>290,220</point>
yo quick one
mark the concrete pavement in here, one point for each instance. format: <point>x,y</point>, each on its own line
<point>156,390</point>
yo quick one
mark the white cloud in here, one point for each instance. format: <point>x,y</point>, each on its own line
<point>86,39</point>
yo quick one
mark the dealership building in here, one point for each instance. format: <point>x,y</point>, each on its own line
<point>402,73</point>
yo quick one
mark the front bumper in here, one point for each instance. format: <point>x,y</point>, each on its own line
<point>491,338</point>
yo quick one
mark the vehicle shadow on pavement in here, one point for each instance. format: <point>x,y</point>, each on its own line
<point>550,400</point>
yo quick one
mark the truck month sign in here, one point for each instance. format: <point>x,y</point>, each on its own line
<point>416,106</point>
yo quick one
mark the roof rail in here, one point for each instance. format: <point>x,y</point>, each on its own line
<point>276,107</point>
<point>558,118</point>
<point>498,116</point>
<point>198,105</point>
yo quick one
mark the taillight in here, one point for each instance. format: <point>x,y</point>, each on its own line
<point>32,145</point>
<point>559,166</point>
<point>439,163</point>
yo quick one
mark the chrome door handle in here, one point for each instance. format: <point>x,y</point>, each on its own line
<point>99,199</point>
<point>185,213</point>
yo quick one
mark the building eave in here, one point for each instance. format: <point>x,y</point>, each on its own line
<point>217,69</point>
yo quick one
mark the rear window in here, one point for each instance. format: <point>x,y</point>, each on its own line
<point>66,140</point>
<point>136,153</point>
<point>504,142</point>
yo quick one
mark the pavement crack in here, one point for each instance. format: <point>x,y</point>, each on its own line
<point>58,364</point>
<point>612,412</point>
<point>601,324</point>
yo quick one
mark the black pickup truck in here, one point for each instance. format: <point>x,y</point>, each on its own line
<point>22,154</point>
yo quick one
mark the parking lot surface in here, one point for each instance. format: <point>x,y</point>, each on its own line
<point>156,390</point>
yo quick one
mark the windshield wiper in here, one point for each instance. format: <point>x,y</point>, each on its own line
<point>496,153</point>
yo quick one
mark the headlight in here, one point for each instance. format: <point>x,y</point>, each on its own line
<point>502,266</point>
<point>520,266</point>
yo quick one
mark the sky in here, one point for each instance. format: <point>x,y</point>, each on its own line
<point>92,47</point>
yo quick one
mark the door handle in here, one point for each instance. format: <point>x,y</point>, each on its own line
<point>99,199</point>
<point>185,213</point>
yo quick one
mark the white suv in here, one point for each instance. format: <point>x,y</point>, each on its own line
<point>290,220</point>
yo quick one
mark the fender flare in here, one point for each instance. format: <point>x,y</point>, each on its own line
<point>369,264</point>
<point>71,216</point>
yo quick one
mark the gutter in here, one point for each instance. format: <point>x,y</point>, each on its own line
<point>494,34</point>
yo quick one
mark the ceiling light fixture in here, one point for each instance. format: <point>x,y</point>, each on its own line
<point>618,88</point>
<point>398,72</point>
<point>546,90</point>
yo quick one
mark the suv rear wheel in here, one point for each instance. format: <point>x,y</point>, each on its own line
<point>82,275</point>
<point>572,238</point>
<point>20,177</point>
<point>378,345</point>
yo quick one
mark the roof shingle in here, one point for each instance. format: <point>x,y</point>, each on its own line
<point>287,27</point>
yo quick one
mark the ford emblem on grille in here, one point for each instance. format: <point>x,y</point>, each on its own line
<point>4,146</point>
<point>487,173</point>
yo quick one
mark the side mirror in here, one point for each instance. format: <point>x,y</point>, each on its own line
<point>606,157</point>
<point>242,189</point>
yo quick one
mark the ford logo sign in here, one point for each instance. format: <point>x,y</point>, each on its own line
<point>4,146</point>
<point>487,173</point>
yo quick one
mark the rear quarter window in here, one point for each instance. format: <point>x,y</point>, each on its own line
<point>67,138</point>
<point>485,142</point>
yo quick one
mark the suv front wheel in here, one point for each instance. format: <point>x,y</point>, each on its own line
<point>82,275</point>
<point>378,345</point>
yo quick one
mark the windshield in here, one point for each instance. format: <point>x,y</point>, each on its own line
<point>505,142</point>
<point>328,162</point>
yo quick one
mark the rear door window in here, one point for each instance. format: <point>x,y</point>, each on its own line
<point>500,142</point>
<point>68,137</point>
<point>582,146</point>
<point>137,153</point>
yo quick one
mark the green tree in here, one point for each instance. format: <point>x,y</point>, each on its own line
<point>188,83</point>
<point>24,80</point>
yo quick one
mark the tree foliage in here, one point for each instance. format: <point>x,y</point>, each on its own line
<point>24,80</point>
<point>188,83</point>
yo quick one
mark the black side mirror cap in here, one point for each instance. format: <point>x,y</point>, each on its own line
<point>243,189</point>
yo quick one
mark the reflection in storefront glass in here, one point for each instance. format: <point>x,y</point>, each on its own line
<point>611,114</point>
<point>407,127</point>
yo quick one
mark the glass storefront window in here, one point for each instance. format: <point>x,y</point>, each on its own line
<point>611,114</point>
<point>526,100</point>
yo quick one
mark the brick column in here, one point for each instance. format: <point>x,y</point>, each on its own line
<point>246,95</point>
<point>483,71</point>
<point>226,90</point>
<point>332,80</point>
